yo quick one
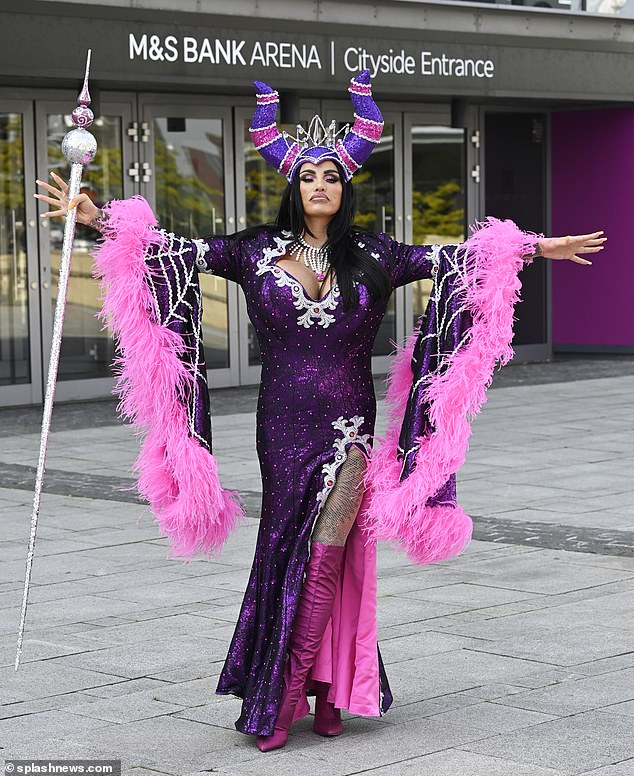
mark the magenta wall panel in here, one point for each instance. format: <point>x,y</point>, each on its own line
<point>593,188</point>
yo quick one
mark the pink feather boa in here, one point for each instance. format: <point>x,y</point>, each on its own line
<point>398,512</point>
<point>177,475</point>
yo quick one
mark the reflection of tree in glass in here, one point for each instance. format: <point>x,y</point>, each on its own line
<point>11,155</point>
<point>263,192</point>
<point>437,213</point>
<point>366,191</point>
<point>185,203</point>
<point>102,179</point>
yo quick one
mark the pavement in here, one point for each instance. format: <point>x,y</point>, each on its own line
<point>515,659</point>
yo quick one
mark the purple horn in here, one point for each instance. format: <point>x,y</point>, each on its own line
<point>366,131</point>
<point>266,137</point>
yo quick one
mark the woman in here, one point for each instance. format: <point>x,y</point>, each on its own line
<point>316,289</point>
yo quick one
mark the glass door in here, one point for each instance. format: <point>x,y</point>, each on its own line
<point>20,370</point>
<point>186,173</point>
<point>86,350</point>
<point>435,192</point>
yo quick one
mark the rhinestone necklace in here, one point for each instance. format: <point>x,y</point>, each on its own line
<point>314,258</point>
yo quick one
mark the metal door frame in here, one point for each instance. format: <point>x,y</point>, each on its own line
<point>31,392</point>
<point>152,105</point>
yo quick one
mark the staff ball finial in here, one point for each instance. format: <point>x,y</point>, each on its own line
<point>78,145</point>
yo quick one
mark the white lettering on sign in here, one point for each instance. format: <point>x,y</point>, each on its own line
<point>171,52</point>
<point>305,56</point>
<point>455,66</point>
<point>285,55</point>
<point>217,52</point>
<point>138,48</point>
<point>399,63</point>
<point>224,52</point>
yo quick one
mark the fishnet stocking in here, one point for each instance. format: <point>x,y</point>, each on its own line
<point>340,510</point>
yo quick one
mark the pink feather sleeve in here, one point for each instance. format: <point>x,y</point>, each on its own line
<point>398,512</point>
<point>177,475</point>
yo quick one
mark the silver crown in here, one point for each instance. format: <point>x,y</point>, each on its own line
<point>318,134</point>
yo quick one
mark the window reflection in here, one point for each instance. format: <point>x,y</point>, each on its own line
<point>190,201</point>
<point>438,191</point>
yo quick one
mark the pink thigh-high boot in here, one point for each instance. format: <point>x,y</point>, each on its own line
<point>313,612</point>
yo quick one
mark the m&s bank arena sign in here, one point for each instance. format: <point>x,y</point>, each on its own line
<point>328,56</point>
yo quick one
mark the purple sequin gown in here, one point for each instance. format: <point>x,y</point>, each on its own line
<point>316,398</point>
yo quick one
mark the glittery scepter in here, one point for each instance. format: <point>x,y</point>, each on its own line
<point>79,147</point>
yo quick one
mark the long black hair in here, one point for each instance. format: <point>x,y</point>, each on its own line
<point>348,261</point>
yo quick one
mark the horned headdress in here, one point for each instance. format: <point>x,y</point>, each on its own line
<point>350,146</point>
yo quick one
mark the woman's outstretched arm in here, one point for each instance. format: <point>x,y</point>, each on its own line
<point>408,263</point>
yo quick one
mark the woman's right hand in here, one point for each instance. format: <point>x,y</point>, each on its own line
<point>86,209</point>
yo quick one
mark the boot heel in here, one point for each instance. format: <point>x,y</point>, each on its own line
<point>327,720</point>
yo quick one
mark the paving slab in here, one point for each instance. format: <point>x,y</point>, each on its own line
<point>572,745</point>
<point>600,611</point>
<point>435,675</point>
<point>147,657</point>
<point>45,678</point>
<point>550,676</point>
<point>136,707</point>
<point>26,709</point>
<point>456,761</point>
<point>45,724</point>
<point>573,697</point>
<point>469,594</point>
<point>583,643</point>
<point>153,627</point>
<point>34,650</point>
<point>492,717</point>
<point>404,648</point>
<point>525,573</point>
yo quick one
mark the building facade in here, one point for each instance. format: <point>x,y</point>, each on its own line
<point>515,111</point>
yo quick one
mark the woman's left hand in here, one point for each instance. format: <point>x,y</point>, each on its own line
<point>569,248</point>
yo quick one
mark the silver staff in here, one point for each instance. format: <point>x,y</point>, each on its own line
<point>79,147</point>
